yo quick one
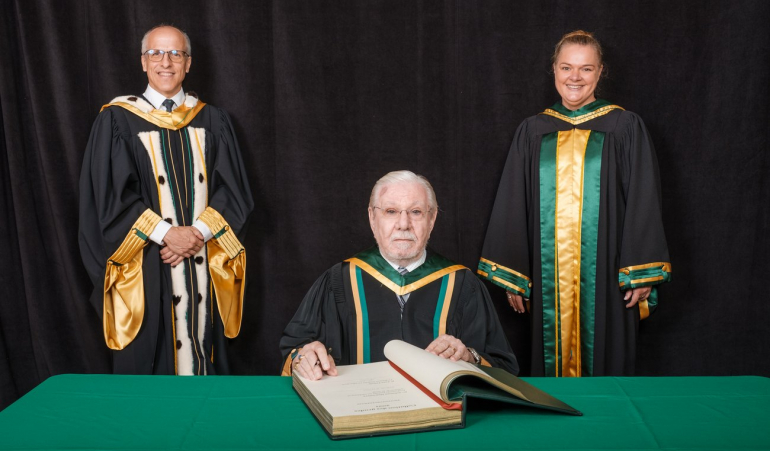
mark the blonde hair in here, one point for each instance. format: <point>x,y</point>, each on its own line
<point>578,37</point>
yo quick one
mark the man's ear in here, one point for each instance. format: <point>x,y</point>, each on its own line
<point>432,222</point>
<point>144,63</point>
<point>371,218</point>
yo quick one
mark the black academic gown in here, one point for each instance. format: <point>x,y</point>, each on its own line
<point>576,221</point>
<point>138,166</point>
<point>328,312</point>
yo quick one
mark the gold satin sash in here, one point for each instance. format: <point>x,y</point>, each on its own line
<point>227,266</point>
<point>124,285</point>
<point>570,158</point>
<point>175,120</point>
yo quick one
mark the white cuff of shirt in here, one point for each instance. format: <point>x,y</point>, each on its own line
<point>204,229</point>
<point>160,232</point>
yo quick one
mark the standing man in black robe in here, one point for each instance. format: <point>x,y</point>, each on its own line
<point>397,290</point>
<point>164,200</point>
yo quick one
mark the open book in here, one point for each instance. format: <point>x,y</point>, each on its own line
<point>413,391</point>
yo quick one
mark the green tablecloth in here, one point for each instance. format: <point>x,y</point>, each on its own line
<point>263,412</point>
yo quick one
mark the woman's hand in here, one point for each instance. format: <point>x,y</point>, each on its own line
<point>516,301</point>
<point>636,295</point>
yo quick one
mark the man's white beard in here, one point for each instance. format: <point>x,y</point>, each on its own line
<point>409,252</point>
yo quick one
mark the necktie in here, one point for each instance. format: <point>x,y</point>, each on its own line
<point>168,105</point>
<point>402,298</point>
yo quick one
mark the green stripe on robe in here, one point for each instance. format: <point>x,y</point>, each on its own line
<point>548,261</point>
<point>364,315</point>
<point>440,306</point>
<point>592,170</point>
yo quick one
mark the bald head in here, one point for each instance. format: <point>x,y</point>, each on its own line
<point>187,46</point>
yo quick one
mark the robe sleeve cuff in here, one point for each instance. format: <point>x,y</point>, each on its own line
<point>136,238</point>
<point>286,370</point>
<point>204,229</point>
<point>645,275</point>
<point>124,285</point>
<point>222,232</point>
<point>160,232</point>
<point>506,278</point>
<point>227,266</point>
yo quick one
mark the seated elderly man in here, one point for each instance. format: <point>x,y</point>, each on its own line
<point>397,290</point>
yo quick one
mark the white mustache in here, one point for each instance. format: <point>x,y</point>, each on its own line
<point>403,236</point>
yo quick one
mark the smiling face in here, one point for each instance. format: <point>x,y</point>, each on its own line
<point>166,76</point>
<point>576,74</point>
<point>402,239</point>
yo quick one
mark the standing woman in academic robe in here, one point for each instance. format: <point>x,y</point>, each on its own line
<point>576,234</point>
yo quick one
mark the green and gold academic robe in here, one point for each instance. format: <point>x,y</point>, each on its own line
<point>353,309</point>
<point>143,166</point>
<point>576,222</point>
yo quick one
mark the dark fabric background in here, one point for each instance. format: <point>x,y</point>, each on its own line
<point>328,96</point>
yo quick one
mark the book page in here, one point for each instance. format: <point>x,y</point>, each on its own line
<point>367,389</point>
<point>427,369</point>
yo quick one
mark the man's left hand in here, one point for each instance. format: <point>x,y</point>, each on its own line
<point>451,348</point>
<point>184,241</point>
<point>169,257</point>
<point>636,295</point>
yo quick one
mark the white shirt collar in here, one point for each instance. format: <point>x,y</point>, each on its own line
<point>156,99</point>
<point>412,266</point>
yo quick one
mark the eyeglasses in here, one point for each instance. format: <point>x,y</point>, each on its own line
<point>415,214</point>
<point>176,56</point>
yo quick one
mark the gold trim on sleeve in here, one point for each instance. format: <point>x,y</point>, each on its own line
<point>509,285</point>
<point>223,234</point>
<point>647,279</point>
<point>286,370</point>
<point>227,266</point>
<point>124,285</point>
<point>664,266</point>
<point>499,266</point>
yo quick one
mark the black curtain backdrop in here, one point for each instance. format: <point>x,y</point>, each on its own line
<point>329,96</point>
